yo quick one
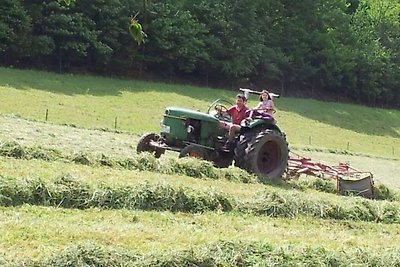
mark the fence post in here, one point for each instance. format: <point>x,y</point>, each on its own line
<point>115,123</point>
<point>47,113</point>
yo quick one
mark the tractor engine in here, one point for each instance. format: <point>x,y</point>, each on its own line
<point>181,126</point>
<point>193,128</point>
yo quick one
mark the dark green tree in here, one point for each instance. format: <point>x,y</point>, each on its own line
<point>175,37</point>
<point>104,30</point>
<point>376,27</point>
<point>15,28</point>
<point>233,41</point>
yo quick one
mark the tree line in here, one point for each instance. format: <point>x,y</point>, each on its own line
<point>348,49</point>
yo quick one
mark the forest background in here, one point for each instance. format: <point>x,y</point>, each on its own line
<point>345,50</point>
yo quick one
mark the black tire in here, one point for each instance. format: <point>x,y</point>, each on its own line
<point>241,149</point>
<point>144,145</point>
<point>268,155</point>
<point>194,151</point>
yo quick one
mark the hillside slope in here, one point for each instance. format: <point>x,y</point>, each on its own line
<point>137,107</point>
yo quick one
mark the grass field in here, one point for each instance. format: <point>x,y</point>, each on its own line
<point>137,107</point>
<point>31,232</point>
<point>57,212</point>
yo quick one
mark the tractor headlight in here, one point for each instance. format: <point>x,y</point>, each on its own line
<point>190,129</point>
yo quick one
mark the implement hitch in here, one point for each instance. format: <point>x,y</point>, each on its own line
<point>349,181</point>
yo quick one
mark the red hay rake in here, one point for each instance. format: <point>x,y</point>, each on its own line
<point>348,179</point>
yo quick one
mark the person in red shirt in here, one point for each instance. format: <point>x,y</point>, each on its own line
<point>237,113</point>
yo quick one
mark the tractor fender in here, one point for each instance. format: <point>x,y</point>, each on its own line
<point>258,124</point>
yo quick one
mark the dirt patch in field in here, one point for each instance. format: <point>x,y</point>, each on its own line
<point>66,138</point>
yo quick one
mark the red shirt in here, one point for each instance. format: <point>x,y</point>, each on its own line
<point>236,114</point>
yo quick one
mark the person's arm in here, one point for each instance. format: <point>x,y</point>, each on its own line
<point>258,106</point>
<point>272,105</point>
<point>230,110</point>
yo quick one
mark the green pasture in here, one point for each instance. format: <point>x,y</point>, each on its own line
<point>137,107</point>
<point>34,232</point>
<point>299,222</point>
<point>30,232</point>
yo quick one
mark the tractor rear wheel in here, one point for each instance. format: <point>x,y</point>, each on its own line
<point>241,149</point>
<point>144,145</point>
<point>194,152</point>
<point>268,154</point>
<point>265,154</point>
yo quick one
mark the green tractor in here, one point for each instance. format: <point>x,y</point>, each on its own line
<point>260,147</point>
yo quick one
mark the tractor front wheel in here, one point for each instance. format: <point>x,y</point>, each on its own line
<point>144,145</point>
<point>194,152</point>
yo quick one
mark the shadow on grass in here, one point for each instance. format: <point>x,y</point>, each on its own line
<point>72,84</point>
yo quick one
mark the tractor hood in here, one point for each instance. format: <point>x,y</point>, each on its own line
<point>182,113</point>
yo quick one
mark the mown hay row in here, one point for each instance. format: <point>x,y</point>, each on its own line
<point>222,253</point>
<point>187,166</point>
<point>143,162</point>
<point>292,204</point>
<point>69,192</point>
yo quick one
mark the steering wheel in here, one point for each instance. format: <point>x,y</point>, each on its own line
<point>219,109</point>
<point>222,113</point>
